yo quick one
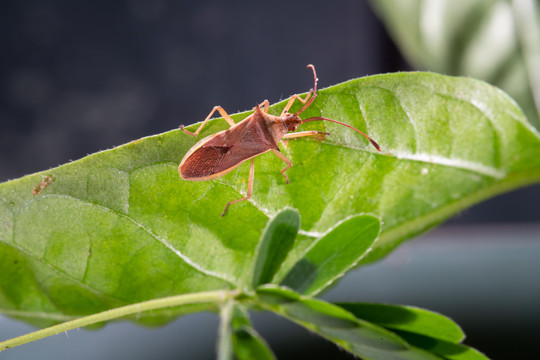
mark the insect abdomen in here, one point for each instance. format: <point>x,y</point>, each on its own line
<point>203,162</point>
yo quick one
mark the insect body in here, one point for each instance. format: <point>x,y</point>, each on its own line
<point>220,153</point>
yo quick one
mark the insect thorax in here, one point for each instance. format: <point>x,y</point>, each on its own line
<point>291,121</point>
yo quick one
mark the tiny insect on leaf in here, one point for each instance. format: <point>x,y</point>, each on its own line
<point>260,132</point>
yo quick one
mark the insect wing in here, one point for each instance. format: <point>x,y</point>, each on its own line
<point>216,155</point>
<point>203,162</point>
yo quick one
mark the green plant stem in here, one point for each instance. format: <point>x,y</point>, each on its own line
<point>225,346</point>
<point>218,296</point>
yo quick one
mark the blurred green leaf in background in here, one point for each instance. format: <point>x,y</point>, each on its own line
<point>494,40</point>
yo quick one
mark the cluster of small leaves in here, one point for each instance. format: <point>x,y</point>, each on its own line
<point>371,331</point>
<point>120,227</point>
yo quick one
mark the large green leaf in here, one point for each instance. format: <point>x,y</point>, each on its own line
<point>120,226</point>
<point>494,40</point>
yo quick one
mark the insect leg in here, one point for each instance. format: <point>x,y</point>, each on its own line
<point>265,104</point>
<point>294,97</point>
<point>216,108</point>
<point>249,190</point>
<point>287,161</point>
<point>319,135</point>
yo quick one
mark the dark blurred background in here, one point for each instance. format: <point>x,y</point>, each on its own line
<point>78,77</point>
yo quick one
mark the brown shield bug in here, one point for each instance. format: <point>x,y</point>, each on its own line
<point>220,153</point>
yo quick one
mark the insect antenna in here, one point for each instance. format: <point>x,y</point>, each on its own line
<point>320,118</point>
<point>312,98</point>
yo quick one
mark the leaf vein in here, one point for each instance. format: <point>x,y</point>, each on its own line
<point>162,241</point>
<point>471,166</point>
<point>169,246</point>
<point>68,276</point>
